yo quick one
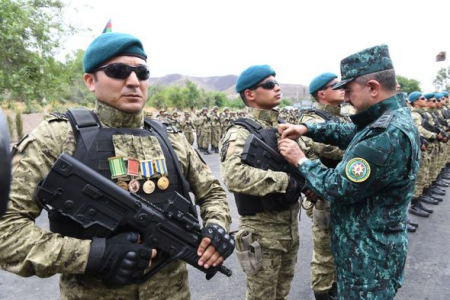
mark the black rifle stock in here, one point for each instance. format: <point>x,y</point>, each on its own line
<point>80,193</point>
<point>259,155</point>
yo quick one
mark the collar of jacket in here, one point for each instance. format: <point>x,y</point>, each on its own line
<point>112,117</point>
<point>269,116</point>
<point>335,111</point>
<point>371,114</point>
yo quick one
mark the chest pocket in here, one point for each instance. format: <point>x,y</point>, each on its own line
<point>139,147</point>
<point>376,150</point>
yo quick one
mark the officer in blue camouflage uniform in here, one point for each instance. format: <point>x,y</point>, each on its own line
<point>103,268</point>
<point>371,188</point>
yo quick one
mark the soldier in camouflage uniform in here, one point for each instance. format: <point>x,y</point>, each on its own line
<point>227,120</point>
<point>28,250</point>
<point>267,201</point>
<point>421,189</point>
<point>216,127</point>
<point>162,116</point>
<point>198,129</point>
<point>175,120</point>
<point>323,279</point>
<point>370,189</point>
<point>206,124</point>
<point>187,126</point>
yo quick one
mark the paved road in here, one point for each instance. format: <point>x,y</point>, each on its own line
<point>427,267</point>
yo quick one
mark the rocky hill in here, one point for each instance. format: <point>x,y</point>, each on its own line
<point>224,84</point>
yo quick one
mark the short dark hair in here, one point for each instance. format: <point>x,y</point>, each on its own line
<point>244,99</point>
<point>386,78</point>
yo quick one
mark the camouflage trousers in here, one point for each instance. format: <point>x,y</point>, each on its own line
<point>422,175</point>
<point>199,136</point>
<point>279,257</point>
<point>215,136</point>
<point>322,264</point>
<point>206,139</point>
<point>189,136</point>
<point>169,283</point>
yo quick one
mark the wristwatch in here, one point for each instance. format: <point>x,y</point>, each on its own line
<point>301,161</point>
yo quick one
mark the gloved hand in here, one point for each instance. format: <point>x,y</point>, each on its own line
<point>118,260</point>
<point>293,191</point>
<point>220,239</point>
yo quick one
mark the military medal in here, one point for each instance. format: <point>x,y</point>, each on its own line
<point>147,171</point>
<point>134,186</point>
<point>148,187</point>
<point>161,168</point>
<point>163,183</point>
<point>123,184</point>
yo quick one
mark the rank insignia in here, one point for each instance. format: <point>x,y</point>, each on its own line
<point>357,169</point>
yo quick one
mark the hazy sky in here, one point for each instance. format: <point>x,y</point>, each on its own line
<point>299,39</point>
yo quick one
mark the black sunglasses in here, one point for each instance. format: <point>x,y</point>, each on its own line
<point>422,98</point>
<point>267,85</point>
<point>123,71</point>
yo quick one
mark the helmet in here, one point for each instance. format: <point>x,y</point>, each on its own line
<point>226,108</point>
<point>215,107</point>
<point>204,108</point>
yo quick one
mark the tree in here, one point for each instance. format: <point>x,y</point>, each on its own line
<point>30,34</point>
<point>408,85</point>
<point>192,95</point>
<point>442,80</point>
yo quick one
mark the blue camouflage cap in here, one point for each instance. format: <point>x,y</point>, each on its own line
<point>364,62</point>
<point>109,45</point>
<point>253,75</point>
<point>414,96</point>
<point>320,81</point>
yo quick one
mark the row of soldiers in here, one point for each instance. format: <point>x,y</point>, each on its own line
<point>208,125</point>
<point>431,114</point>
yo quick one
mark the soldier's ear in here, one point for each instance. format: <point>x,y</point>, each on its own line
<point>373,87</point>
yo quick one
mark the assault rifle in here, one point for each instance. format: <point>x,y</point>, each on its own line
<point>258,154</point>
<point>78,192</point>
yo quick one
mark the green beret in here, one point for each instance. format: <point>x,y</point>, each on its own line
<point>320,81</point>
<point>429,96</point>
<point>367,61</point>
<point>414,96</point>
<point>109,45</point>
<point>253,75</point>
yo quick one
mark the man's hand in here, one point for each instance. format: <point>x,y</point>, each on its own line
<point>215,246</point>
<point>291,131</point>
<point>290,150</point>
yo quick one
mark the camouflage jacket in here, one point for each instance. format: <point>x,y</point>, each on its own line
<point>416,114</point>
<point>369,192</point>
<point>27,249</point>
<point>320,149</point>
<point>241,178</point>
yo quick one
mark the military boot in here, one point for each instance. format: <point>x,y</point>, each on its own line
<point>425,209</point>
<point>445,176</point>
<point>332,293</point>
<point>413,223</point>
<point>411,228</point>
<point>428,200</point>
<point>441,183</point>
<point>206,152</point>
<point>415,209</point>
<point>321,296</point>
<point>216,150</point>
<point>428,192</point>
<point>437,191</point>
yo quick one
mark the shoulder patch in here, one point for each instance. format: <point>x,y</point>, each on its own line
<point>357,169</point>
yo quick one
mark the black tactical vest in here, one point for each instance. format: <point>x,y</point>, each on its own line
<point>93,147</point>
<point>248,205</point>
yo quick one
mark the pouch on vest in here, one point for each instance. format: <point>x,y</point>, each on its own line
<point>248,252</point>
<point>321,218</point>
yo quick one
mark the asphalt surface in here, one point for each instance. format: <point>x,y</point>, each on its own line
<point>427,274</point>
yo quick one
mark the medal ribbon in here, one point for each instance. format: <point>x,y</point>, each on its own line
<point>147,168</point>
<point>133,167</point>
<point>117,167</point>
<point>160,165</point>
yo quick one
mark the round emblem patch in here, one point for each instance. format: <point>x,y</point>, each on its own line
<point>357,169</point>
